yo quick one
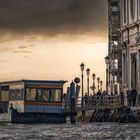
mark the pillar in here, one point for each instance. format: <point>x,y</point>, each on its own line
<point>138,75</point>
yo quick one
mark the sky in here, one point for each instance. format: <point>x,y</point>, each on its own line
<point>49,39</point>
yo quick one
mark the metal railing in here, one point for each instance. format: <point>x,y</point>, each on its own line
<point>94,101</point>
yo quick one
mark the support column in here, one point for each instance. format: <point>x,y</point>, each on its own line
<point>137,86</point>
<point>139,72</point>
<point>123,68</point>
<point>127,66</point>
<point>138,76</point>
<point>129,74</point>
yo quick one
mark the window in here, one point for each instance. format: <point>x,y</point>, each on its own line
<point>46,95</point>
<point>116,22</point>
<point>114,6</point>
<point>125,10</point>
<point>4,93</point>
<point>30,94</point>
<point>4,88</point>
<point>116,63</point>
<point>55,95</point>
<point>43,95</point>
<point>16,94</point>
<point>132,9</point>
<point>37,94</point>
<point>4,96</point>
<point>138,8</point>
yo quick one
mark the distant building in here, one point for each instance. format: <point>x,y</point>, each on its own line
<point>130,26</point>
<point>114,47</point>
<point>124,43</point>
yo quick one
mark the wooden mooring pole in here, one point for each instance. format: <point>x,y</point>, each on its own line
<point>83,115</point>
<point>72,104</point>
<point>72,111</point>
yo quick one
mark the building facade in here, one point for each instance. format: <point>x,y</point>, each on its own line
<point>114,78</point>
<point>130,39</point>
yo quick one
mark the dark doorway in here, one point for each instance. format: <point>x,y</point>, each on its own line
<point>133,71</point>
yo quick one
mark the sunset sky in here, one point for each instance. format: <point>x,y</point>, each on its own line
<point>48,39</point>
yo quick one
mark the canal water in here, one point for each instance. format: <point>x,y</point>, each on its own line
<point>79,131</point>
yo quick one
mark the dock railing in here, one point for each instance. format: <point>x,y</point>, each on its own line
<point>94,102</point>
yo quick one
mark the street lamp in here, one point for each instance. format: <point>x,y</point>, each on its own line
<point>98,80</point>
<point>107,61</point>
<point>93,77</point>
<point>88,72</point>
<point>82,69</point>
<point>101,84</point>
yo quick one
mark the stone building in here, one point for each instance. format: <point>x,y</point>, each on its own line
<point>130,39</point>
<point>114,78</point>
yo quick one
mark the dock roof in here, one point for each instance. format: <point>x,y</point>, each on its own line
<point>35,82</point>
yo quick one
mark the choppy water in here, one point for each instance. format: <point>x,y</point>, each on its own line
<point>79,131</point>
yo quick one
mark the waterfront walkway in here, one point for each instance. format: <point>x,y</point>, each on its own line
<point>97,102</point>
<point>102,108</point>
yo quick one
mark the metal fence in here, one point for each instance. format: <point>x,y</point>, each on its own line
<point>94,101</point>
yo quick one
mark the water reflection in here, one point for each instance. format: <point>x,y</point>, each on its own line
<point>106,131</point>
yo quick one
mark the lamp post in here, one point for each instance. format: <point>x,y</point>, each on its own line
<point>88,72</point>
<point>93,77</point>
<point>107,61</point>
<point>101,84</point>
<point>98,80</point>
<point>82,69</point>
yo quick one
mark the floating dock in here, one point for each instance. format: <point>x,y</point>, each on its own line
<point>35,101</point>
<point>29,101</point>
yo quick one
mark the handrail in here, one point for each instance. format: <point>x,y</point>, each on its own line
<point>94,101</point>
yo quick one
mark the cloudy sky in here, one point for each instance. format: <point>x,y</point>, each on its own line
<point>48,39</point>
